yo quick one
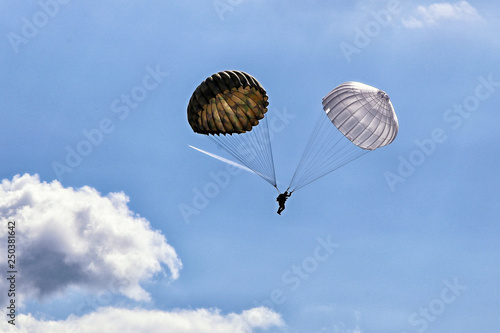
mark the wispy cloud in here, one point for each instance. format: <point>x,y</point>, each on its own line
<point>441,12</point>
<point>153,321</point>
<point>77,237</point>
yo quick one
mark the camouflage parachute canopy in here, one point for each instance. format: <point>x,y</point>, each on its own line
<point>227,102</point>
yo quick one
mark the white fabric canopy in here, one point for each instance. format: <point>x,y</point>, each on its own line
<point>362,113</point>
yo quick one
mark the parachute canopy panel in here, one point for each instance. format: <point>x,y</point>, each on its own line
<point>363,114</point>
<point>227,102</point>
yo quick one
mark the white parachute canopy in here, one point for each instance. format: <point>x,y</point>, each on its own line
<point>362,113</point>
<point>357,118</point>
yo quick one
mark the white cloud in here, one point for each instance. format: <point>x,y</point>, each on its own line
<point>439,12</point>
<point>152,321</point>
<point>76,237</point>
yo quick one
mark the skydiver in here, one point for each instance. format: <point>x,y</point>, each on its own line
<point>281,200</point>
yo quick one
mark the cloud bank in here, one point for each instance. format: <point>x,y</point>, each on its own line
<point>79,238</point>
<point>152,321</point>
<point>440,12</point>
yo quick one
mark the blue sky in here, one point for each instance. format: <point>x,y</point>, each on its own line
<point>404,239</point>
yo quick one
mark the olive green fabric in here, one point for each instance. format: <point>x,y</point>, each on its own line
<point>227,102</point>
